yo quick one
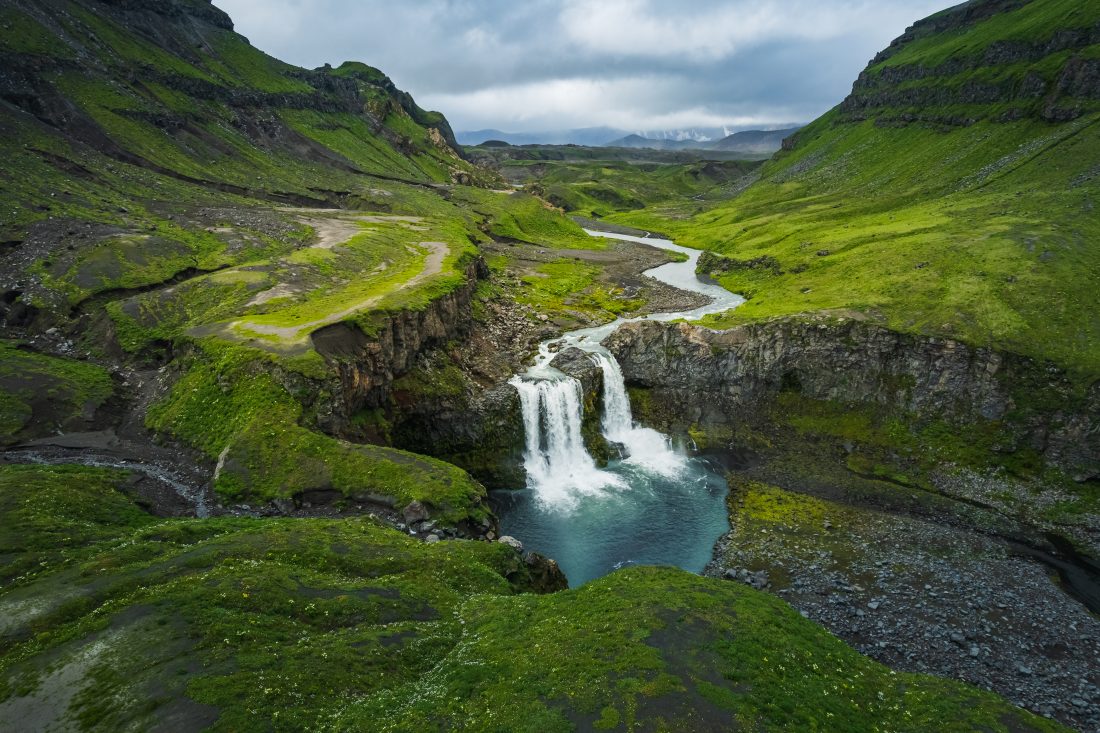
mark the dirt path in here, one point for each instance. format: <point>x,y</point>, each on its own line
<point>433,265</point>
<point>337,227</point>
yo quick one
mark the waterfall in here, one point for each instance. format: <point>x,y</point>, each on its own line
<point>618,421</point>
<point>558,465</point>
<point>645,447</point>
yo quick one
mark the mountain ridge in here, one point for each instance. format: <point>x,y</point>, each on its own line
<point>746,141</point>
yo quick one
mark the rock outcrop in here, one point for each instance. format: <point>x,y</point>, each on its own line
<point>717,378</point>
<point>367,364</point>
<point>1059,80</point>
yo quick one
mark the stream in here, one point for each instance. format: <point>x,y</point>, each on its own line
<point>653,504</point>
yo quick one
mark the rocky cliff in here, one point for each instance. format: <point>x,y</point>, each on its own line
<point>366,364</point>
<point>995,72</point>
<point>719,378</point>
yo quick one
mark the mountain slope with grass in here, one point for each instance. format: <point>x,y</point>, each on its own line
<point>227,279</point>
<point>953,193</point>
<point>116,620</point>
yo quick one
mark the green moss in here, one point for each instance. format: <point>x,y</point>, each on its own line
<point>525,218</point>
<point>24,34</point>
<point>230,405</point>
<point>39,393</point>
<point>288,624</point>
<point>48,513</point>
<point>572,286</point>
<point>431,383</point>
<point>651,646</point>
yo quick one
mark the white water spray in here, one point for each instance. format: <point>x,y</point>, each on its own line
<point>558,466</point>
<point>645,447</point>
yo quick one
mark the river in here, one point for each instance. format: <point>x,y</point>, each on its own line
<point>655,503</point>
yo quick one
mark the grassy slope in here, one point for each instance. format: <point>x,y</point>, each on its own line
<point>127,147</point>
<point>41,394</point>
<point>166,174</point>
<point>243,624</point>
<point>984,232</point>
<point>596,186</point>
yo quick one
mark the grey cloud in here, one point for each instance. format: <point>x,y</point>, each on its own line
<point>636,64</point>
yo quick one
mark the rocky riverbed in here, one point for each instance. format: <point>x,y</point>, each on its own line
<point>920,595</point>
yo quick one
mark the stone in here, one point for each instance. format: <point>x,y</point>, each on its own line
<point>283,506</point>
<point>431,539</point>
<point>511,542</point>
<point>414,512</point>
<point>719,376</point>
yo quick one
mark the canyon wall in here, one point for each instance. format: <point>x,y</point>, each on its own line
<point>717,378</point>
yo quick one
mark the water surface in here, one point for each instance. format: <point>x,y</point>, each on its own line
<point>655,504</point>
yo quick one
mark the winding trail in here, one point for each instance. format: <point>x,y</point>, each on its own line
<point>331,228</point>
<point>433,265</point>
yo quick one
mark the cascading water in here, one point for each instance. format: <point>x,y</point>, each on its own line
<point>644,447</point>
<point>557,463</point>
<point>654,504</point>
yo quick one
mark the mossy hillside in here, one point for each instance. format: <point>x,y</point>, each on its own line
<point>601,188</point>
<point>212,62</point>
<point>51,514</point>
<point>118,237</point>
<point>664,649</point>
<point>980,233</point>
<point>225,621</point>
<point>1030,23</point>
<point>282,624</point>
<point>976,229</point>
<point>276,301</point>
<point>230,405</point>
<point>186,135</point>
<point>40,394</point>
<point>521,217</point>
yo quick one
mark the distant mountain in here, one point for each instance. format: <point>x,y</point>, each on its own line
<point>594,136</point>
<point>638,141</point>
<point>755,142</point>
<point>674,139</point>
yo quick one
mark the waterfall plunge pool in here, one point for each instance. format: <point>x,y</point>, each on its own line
<point>655,504</point>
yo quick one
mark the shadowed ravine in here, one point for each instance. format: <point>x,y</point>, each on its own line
<point>653,504</point>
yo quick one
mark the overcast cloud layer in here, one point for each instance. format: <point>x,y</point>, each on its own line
<point>638,65</point>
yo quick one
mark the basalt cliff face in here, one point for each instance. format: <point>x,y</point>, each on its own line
<point>1060,79</point>
<point>366,365</point>
<point>718,378</point>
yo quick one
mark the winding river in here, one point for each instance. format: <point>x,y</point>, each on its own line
<point>655,503</point>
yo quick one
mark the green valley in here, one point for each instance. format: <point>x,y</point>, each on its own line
<point>312,418</point>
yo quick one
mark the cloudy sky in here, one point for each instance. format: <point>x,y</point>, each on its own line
<point>636,65</point>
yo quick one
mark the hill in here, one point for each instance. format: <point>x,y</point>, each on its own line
<point>230,278</point>
<point>581,136</point>
<point>951,193</point>
<point>754,141</point>
<point>749,142</point>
